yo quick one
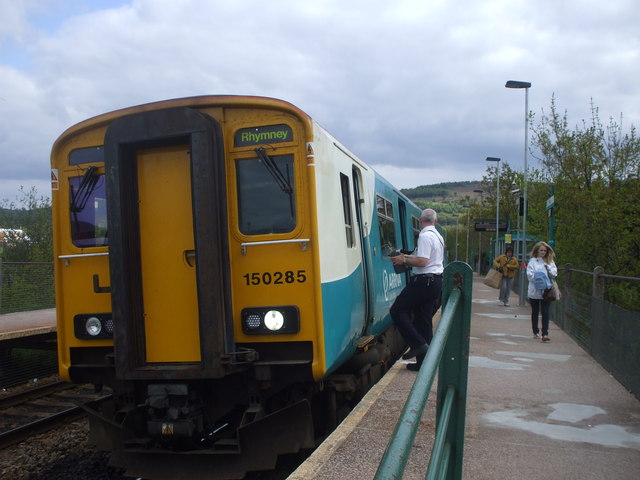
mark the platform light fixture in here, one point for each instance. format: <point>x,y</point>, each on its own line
<point>479,237</point>
<point>526,85</point>
<point>497,160</point>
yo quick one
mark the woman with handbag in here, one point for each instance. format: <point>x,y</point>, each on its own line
<point>541,269</point>
<point>507,265</point>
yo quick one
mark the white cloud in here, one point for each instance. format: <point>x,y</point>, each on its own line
<point>414,87</point>
<point>14,24</point>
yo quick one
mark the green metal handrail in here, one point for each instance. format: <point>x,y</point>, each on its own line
<point>449,350</point>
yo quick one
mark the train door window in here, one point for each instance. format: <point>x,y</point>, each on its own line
<point>416,227</point>
<point>402,215</point>
<point>266,194</point>
<point>88,209</point>
<point>346,208</point>
<point>387,224</point>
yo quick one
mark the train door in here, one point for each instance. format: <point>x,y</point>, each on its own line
<point>167,243</point>
<point>365,251</point>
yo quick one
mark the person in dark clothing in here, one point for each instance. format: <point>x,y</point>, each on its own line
<point>412,311</point>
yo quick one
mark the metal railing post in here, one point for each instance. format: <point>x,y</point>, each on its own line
<point>598,283</point>
<point>454,366</point>
<point>446,458</point>
<point>0,279</point>
<point>568,279</point>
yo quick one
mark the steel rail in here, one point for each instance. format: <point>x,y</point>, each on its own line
<point>31,394</point>
<point>23,432</point>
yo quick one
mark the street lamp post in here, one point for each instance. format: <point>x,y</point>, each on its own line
<point>467,244</point>
<point>457,225</point>
<point>497,160</point>
<point>526,86</point>
<point>479,233</point>
<point>517,247</point>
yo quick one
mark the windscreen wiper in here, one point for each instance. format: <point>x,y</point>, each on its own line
<point>87,185</point>
<point>275,172</point>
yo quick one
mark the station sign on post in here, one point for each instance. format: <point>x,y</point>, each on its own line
<point>551,203</point>
<point>490,226</point>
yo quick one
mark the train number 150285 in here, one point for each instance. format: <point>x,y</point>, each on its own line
<point>275,278</point>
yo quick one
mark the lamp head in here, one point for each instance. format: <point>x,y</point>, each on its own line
<point>517,84</point>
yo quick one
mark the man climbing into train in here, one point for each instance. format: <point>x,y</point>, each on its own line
<point>413,310</point>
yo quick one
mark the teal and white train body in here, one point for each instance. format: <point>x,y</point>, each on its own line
<point>359,283</point>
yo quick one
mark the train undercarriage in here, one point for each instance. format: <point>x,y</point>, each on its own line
<point>224,428</point>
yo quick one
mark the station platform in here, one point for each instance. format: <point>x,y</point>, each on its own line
<point>26,324</point>
<point>534,410</point>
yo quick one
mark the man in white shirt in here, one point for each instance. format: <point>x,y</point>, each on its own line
<point>413,310</point>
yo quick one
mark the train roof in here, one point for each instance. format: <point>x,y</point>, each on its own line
<point>203,101</point>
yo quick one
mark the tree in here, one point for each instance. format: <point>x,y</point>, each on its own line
<point>509,180</point>
<point>28,220</point>
<point>26,271</point>
<point>595,170</point>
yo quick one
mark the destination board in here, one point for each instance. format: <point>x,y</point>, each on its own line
<point>260,135</point>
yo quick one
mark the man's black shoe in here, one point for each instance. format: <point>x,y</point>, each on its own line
<point>414,367</point>
<point>414,352</point>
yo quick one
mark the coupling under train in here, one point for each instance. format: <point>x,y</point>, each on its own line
<point>221,264</point>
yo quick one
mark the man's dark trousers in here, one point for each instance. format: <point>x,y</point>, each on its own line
<point>413,309</point>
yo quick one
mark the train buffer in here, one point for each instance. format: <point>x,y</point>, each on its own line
<point>533,410</point>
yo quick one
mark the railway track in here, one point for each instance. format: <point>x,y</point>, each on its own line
<point>39,409</point>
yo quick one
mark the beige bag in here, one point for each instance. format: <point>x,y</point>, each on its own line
<point>493,278</point>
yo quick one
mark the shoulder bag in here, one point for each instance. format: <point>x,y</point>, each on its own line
<point>551,294</point>
<point>493,278</point>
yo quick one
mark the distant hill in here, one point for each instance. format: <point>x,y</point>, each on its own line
<point>443,192</point>
<point>445,198</point>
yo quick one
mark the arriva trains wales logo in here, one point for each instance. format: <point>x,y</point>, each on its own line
<point>391,282</point>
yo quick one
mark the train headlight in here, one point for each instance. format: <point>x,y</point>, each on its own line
<point>273,320</point>
<point>270,320</point>
<point>91,326</point>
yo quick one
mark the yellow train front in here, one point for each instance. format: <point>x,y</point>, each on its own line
<point>221,265</point>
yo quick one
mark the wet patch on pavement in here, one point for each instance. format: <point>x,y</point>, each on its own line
<point>484,362</point>
<point>554,357</point>
<point>567,422</point>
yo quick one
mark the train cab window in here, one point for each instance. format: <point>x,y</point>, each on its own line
<point>387,224</point>
<point>88,209</point>
<point>346,208</point>
<point>266,194</point>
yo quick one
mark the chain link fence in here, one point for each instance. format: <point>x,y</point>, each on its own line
<point>26,286</point>
<point>30,362</point>
<point>608,332</point>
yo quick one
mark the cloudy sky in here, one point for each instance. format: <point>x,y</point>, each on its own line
<point>413,87</point>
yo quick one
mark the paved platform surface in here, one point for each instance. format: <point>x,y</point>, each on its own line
<point>23,324</point>
<point>535,411</point>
